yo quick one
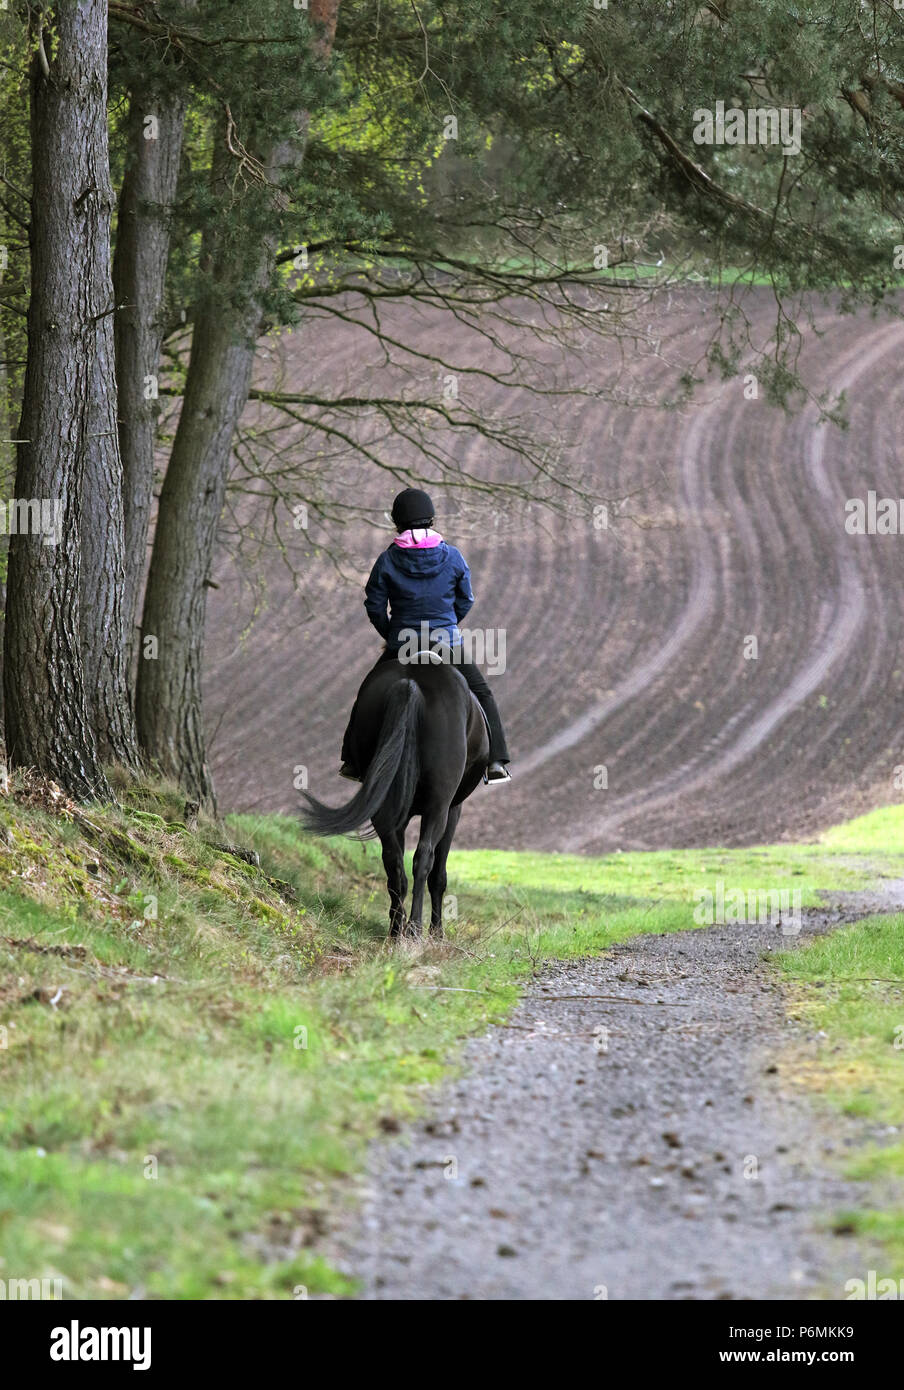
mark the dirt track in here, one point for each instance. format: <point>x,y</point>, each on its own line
<point>676,1163</point>
<point>626,647</point>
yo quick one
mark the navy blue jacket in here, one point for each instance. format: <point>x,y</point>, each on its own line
<point>418,585</point>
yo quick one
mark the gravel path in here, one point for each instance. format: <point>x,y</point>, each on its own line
<point>662,1161</point>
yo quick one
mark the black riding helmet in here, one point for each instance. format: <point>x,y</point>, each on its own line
<point>412,508</point>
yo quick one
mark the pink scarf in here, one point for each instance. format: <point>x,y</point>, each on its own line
<point>421,538</point>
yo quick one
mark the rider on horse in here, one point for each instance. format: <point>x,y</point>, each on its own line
<point>419,579</point>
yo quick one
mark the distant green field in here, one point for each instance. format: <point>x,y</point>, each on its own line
<point>693,269</point>
<point>194,1052</point>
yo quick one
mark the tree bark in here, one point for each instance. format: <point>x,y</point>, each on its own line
<point>7,473</point>
<point>139,278</point>
<point>168,698</point>
<point>104,649</point>
<point>104,634</point>
<point>48,718</point>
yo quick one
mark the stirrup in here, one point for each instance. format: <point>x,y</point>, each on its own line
<point>496,772</point>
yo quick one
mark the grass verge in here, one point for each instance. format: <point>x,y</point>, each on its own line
<point>848,988</point>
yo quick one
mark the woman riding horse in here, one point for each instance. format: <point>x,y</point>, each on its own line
<point>417,740</point>
<point>421,584</point>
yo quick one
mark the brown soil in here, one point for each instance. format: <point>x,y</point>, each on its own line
<point>626,647</point>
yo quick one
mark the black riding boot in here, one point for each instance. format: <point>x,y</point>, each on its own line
<point>477,682</point>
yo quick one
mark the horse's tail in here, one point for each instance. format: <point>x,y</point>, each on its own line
<point>392,776</point>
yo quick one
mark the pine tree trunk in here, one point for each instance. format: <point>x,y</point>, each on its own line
<point>104,636</point>
<point>7,476</point>
<point>48,720</point>
<point>168,699</point>
<point>139,277</point>
<point>104,648</point>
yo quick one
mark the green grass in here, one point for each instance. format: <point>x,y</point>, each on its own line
<point>848,988</point>
<point>195,1052</point>
<point>694,268</point>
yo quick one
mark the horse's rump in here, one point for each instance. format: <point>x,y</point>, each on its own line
<point>422,739</point>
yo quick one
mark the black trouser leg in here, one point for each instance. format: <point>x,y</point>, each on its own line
<point>346,754</point>
<point>477,682</point>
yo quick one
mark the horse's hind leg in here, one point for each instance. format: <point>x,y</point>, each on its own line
<point>436,880</point>
<point>433,827</point>
<point>393,842</point>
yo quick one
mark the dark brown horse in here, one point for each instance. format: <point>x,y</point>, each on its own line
<point>421,735</point>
